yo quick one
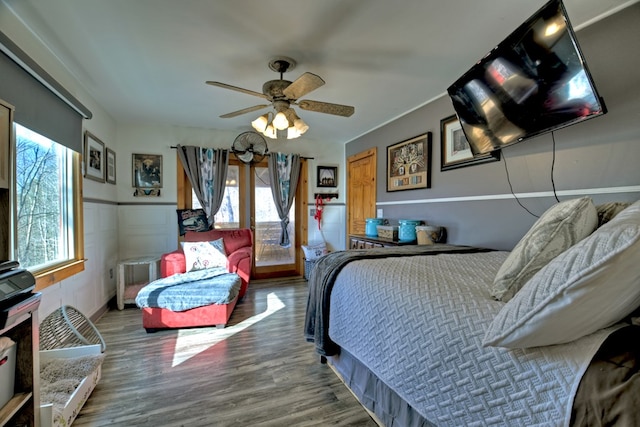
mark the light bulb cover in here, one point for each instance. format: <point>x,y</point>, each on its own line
<point>260,124</point>
<point>270,132</point>
<point>280,121</point>
<point>300,126</point>
<point>293,133</point>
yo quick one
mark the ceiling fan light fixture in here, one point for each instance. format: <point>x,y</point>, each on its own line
<point>293,133</point>
<point>280,121</point>
<point>282,94</point>
<point>270,132</point>
<point>300,126</point>
<point>284,123</point>
<point>260,124</point>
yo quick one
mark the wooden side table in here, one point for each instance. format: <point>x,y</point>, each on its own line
<point>127,288</point>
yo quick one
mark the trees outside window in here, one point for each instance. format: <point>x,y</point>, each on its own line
<point>44,201</point>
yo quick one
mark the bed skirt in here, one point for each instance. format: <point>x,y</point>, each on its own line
<point>608,393</point>
<point>372,393</point>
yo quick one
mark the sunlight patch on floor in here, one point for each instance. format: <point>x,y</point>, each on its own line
<point>191,342</point>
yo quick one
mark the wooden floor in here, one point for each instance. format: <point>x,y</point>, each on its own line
<point>259,371</point>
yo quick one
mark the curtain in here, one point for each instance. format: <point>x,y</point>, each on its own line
<point>284,170</point>
<point>206,169</point>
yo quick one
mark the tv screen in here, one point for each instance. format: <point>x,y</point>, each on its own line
<point>533,82</point>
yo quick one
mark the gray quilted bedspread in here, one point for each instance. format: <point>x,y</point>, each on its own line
<point>194,289</point>
<point>327,268</point>
<point>418,322</point>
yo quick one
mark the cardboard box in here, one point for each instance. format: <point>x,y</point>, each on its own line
<point>81,393</point>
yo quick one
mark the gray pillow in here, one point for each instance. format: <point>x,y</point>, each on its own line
<point>592,285</point>
<point>559,228</point>
<point>606,211</point>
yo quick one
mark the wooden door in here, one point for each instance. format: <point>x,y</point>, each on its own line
<point>361,190</point>
<point>270,259</point>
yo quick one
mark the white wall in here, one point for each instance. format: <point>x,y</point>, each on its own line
<point>147,225</point>
<point>333,224</point>
<point>90,290</point>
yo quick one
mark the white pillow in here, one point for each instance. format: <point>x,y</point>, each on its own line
<point>593,285</point>
<point>201,255</point>
<point>314,252</point>
<point>559,228</point>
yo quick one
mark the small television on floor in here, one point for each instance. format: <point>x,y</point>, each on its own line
<point>533,82</point>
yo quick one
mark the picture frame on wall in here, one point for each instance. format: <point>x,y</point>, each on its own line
<point>327,176</point>
<point>455,150</point>
<point>409,164</point>
<point>94,158</point>
<point>111,166</point>
<point>147,170</point>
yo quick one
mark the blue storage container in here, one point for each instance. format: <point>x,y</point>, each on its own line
<point>407,229</point>
<point>371,226</point>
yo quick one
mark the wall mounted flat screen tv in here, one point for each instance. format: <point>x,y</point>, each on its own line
<point>533,82</point>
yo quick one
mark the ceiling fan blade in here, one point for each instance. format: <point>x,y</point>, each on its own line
<point>243,111</point>
<point>327,108</point>
<point>238,89</point>
<point>302,86</point>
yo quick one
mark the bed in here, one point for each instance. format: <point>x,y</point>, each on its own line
<point>448,335</point>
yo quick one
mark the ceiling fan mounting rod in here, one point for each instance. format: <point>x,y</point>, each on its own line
<point>282,64</point>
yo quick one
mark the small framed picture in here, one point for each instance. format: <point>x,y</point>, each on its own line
<point>455,150</point>
<point>327,176</point>
<point>147,170</point>
<point>111,166</point>
<point>94,162</point>
<point>409,164</point>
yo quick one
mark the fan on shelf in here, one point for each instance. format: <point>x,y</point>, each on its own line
<point>283,94</point>
<point>250,147</point>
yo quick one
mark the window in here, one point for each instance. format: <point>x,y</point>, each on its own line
<point>48,214</point>
<point>228,216</point>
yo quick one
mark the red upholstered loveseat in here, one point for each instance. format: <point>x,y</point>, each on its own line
<point>238,244</point>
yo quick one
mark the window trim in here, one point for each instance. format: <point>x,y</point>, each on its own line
<point>58,272</point>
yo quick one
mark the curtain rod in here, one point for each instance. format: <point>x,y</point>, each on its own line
<point>268,154</point>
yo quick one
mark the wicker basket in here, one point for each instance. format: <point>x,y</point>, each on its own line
<point>68,327</point>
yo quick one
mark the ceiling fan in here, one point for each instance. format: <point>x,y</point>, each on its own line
<point>283,94</point>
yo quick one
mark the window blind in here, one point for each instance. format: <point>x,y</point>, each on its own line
<point>40,102</point>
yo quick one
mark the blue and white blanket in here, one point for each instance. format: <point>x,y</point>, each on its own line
<point>194,289</point>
